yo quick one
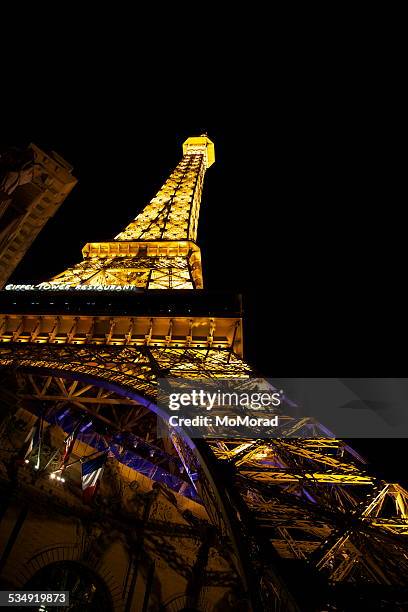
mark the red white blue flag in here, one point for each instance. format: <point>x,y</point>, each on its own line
<point>92,471</point>
<point>69,445</point>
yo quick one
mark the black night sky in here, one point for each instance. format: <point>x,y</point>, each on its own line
<point>300,217</point>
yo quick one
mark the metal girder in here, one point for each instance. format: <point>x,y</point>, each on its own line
<point>302,470</point>
<point>156,250</point>
<point>157,332</point>
<point>309,500</point>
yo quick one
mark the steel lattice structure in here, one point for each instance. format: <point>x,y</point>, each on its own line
<point>306,506</point>
<point>157,250</point>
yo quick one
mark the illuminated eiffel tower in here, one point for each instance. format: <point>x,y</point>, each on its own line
<point>307,526</point>
<point>158,249</point>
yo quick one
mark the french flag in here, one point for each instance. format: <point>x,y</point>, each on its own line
<point>69,445</point>
<point>92,471</point>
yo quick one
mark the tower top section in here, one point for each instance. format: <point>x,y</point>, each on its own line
<point>200,145</point>
<point>157,249</point>
<point>173,213</point>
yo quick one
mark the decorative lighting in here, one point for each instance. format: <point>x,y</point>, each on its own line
<point>64,414</point>
<point>26,461</point>
<point>86,426</point>
<point>55,477</point>
<point>261,455</point>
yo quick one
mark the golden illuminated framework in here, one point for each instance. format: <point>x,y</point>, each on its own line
<point>156,250</point>
<point>309,499</point>
<point>302,497</point>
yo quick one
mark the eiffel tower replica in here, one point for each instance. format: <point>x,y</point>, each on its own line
<point>308,526</point>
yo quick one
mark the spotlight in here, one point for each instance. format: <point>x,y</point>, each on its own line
<point>26,461</point>
<point>151,453</point>
<point>62,479</point>
<point>36,467</point>
<point>52,476</point>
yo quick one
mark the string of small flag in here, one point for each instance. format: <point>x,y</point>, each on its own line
<point>120,446</point>
<point>91,469</point>
<point>69,445</point>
